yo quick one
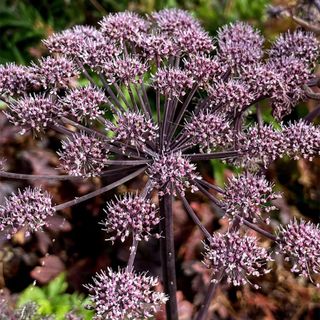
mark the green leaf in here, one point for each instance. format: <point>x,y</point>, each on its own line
<point>57,286</point>
<point>32,293</point>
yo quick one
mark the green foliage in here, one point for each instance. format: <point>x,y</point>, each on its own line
<point>53,300</point>
<point>216,13</point>
<point>23,24</point>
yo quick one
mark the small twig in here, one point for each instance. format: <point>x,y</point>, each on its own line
<point>312,115</point>
<point>310,94</point>
<point>133,100</point>
<point>84,128</point>
<point>258,229</point>
<point>85,72</point>
<point>182,110</point>
<point>208,194</point>
<point>211,186</point>
<point>99,191</point>
<point>202,315</point>
<point>306,25</point>
<point>133,252</point>
<point>111,93</point>
<point>146,100</point>
<point>122,96</point>
<point>147,189</point>
<point>194,217</point>
<point>215,155</point>
<point>61,129</point>
<point>147,112</point>
<point>259,115</point>
<point>126,162</point>
<point>24,176</point>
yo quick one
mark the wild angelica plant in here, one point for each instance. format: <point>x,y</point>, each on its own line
<point>177,97</point>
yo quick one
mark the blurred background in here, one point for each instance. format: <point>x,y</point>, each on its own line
<point>51,267</point>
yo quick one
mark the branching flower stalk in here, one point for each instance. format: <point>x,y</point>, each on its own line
<point>178,97</point>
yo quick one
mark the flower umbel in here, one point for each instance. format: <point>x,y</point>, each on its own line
<point>172,173</point>
<point>131,214</point>
<point>125,295</point>
<point>28,209</point>
<point>240,257</point>
<point>83,103</point>
<point>299,242</point>
<point>34,113</point>
<point>248,196</point>
<point>83,155</point>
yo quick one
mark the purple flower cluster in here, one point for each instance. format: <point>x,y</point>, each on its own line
<point>299,242</point>
<point>302,140</point>
<point>173,173</point>
<point>96,53</point>
<point>261,79</point>
<point>69,42</point>
<point>172,82</point>
<point>83,103</point>
<point>209,130</point>
<point>232,96</point>
<point>158,47</point>
<point>125,295</point>
<point>127,71</point>
<point>203,69</point>
<point>187,33</point>
<point>238,256</point>
<point>261,145</point>
<point>239,45</point>
<point>134,129</point>
<point>124,26</point>
<point>14,79</point>
<point>53,73</point>
<point>26,210</point>
<point>83,155</point>
<point>34,113</point>
<point>171,20</point>
<point>247,196</point>
<point>294,74</point>
<point>300,44</point>
<point>131,214</point>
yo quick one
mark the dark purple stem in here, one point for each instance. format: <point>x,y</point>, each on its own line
<point>168,256</point>
<point>182,110</point>
<point>259,230</point>
<point>194,217</point>
<point>312,115</point>
<point>122,96</point>
<point>23,176</point>
<point>99,191</point>
<point>210,186</point>
<point>203,312</point>
<point>209,156</point>
<point>126,162</point>
<point>133,252</point>
<point>237,219</point>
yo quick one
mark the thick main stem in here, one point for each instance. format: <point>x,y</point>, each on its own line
<point>168,256</point>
